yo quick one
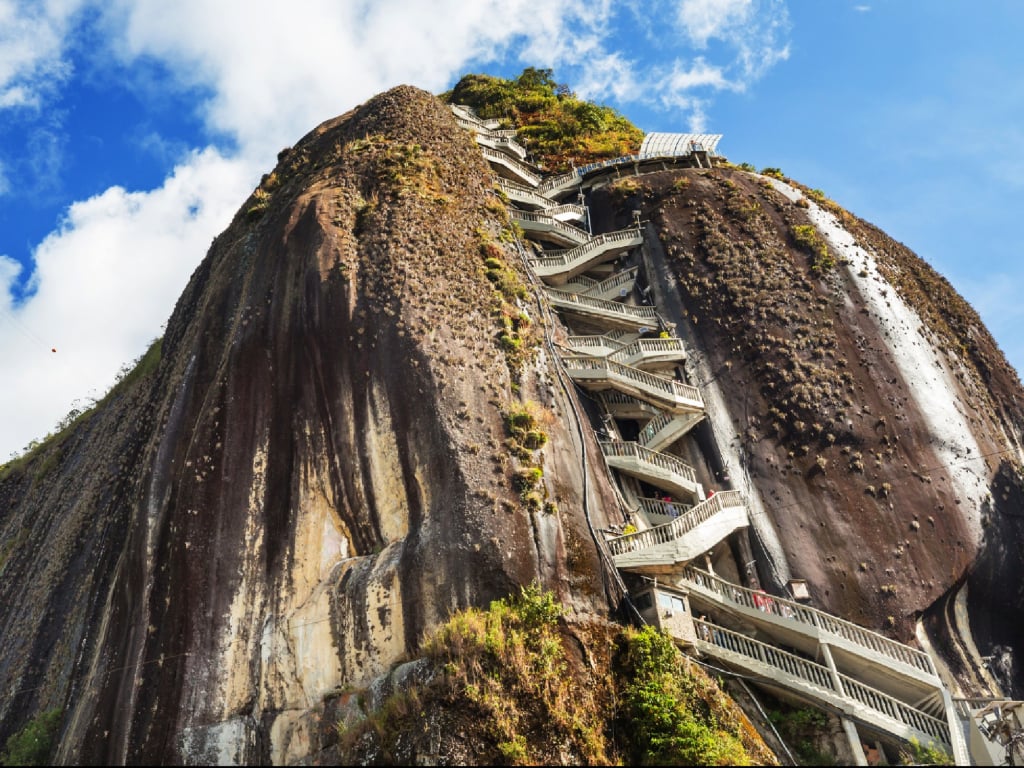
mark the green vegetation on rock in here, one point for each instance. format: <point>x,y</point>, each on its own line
<point>33,744</point>
<point>557,127</point>
<point>807,237</point>
<point>517,684</point>
<point>668,713</point>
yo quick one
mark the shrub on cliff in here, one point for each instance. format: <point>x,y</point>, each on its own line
<point>517,684</point>
<point>557,127</point>
<point>33,744</point>
<point>669,715</point>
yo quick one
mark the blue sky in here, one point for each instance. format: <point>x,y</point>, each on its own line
<point>131,130</point>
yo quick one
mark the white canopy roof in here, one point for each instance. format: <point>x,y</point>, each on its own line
<point>663,144</point>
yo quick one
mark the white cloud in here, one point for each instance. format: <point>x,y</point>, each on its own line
<point>104,283</point>
<point>706,19</point>
<point>277,69</point>
<point>32,36</point>
<point>699,74</point>
<point>754,29</point>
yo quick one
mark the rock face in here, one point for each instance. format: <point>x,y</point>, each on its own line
<point>316,472</point>
<point>311,478</point>
<point>854,397</point>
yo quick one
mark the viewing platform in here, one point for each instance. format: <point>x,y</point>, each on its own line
<point>595,174</point>
<point>662,548</point>
<point>662,470</point>
<point>557,267</point>
<point>598,373</point>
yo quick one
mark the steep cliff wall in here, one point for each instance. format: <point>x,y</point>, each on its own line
<point>315,467</point>
<point>314,474</point>
<point>853,395</point>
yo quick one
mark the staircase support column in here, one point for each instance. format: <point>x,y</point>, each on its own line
<point>961,751</point>
<point>856,749</point>
<point>748,570</point>
<point>859,758</point>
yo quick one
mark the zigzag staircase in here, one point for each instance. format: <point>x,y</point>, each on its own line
<point>868,679</point>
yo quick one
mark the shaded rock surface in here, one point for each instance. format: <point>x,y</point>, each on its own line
<point>311,478</point>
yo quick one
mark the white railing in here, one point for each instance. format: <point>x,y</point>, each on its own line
<point>638,314</point>
<point>579,284</point>
<point>510,162</point>
<point>502,143</point>
<point>574,256</point>
<point>592,345</point>
<point>479,128</point>
<point>523,192</point>
<point>653,427</point>
<point>713,636</point>
<point>577,211</point>
<point>651,382</point>
<point>661,508</point>
<point>613,282</point>
<point>896,709</point>
<point>575,234</point>
<point>618,334</point>
<point>650,348</point>
<point>469,114</point>
<point>659,461</point>
<point>812,617</point>
<point>557,182</point>
<point>677,528</point>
